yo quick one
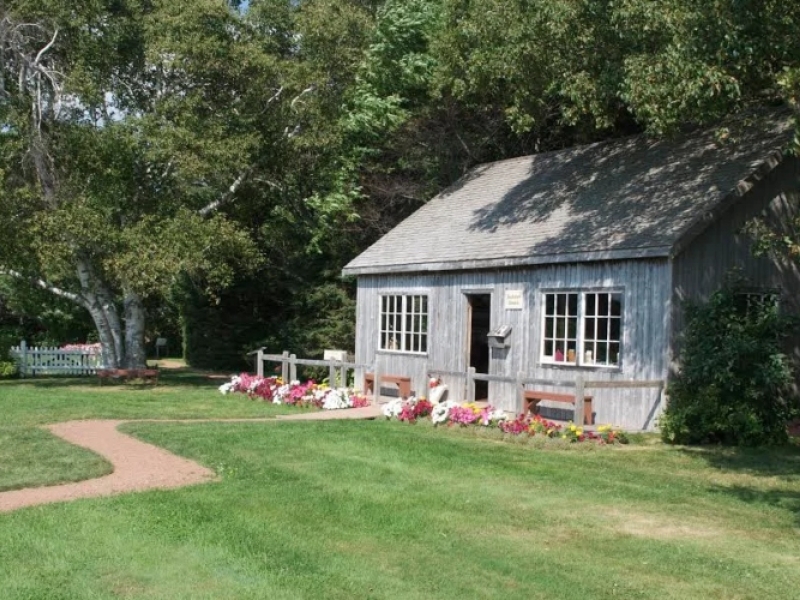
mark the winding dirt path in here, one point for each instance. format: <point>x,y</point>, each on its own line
<point>138,466</point>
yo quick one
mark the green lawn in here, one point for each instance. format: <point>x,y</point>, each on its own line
<point>387,510</point>
<point>180,394</point>
<point>30,456</point>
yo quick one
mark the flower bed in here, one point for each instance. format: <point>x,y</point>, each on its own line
<point>95,349</point>
<point>470,415</point>
<point>309,394</point>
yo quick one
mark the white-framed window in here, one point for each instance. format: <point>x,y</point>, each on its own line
<point>582,328</point>
<point>404,323</point>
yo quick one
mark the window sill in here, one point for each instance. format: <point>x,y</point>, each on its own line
<point>401,353</point>
<point>572,366</point>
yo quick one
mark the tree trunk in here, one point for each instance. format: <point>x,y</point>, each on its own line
<point>135,353</point>
<point>110,357</point>
<point>100,304</point>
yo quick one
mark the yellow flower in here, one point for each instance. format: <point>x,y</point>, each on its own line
<point>572,428</point>
<point>579,431</point>
<point>563,436</point>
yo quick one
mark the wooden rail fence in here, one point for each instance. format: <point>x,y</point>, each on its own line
<point>580,385</point>
<point>289,363</point>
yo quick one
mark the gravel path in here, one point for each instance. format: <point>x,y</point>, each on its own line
<point>138,466</point>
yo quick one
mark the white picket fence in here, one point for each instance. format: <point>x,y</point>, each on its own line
<point>34,361</point>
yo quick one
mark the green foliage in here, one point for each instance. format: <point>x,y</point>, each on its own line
<point>777,238</point>
<point>34,315</point>
<point>270,311</point>
<point>594,63</point>
<point>8,369</point>
<point>321,124</point>
<point>734,386</point>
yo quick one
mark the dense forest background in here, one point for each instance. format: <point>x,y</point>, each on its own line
<point>288,135</point>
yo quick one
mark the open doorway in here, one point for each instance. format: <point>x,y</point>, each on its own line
<point>479,318</point>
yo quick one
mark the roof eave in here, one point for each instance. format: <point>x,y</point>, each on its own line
<point>511,262</point>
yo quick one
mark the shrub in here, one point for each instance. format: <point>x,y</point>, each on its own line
<point>8,369</point>
<point>734,384</point>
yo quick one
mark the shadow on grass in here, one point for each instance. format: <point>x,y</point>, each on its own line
<point>183,377</point>
<point>781,498</point>
<point>779,461</point>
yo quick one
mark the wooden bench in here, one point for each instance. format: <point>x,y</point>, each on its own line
<point>533,397</point>
<point>117,375</point>
<point>403,383</point>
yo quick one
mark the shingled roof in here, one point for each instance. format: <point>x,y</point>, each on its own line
<point>634,197</point>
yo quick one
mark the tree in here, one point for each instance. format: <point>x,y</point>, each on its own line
<point>596,64</point>
<point>296,299</point>
<point>126,128</point>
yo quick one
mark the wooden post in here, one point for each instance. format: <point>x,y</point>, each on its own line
<point>285,366</point>
<point>471,384</point>
<point>520,399</point>
<point>579,394</point>
<point>260,362</point>
<point>332,374</point>
<point>23,359</point>
<point>292,367</point>
<point>376,384</point>
<point>342,375</point>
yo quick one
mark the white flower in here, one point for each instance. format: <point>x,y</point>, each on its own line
<point>440,412</point>
<point>280,394</point>
<point>231,386</point>
<point>393,409</point>
<point>497,415</point>
<point>335,399</point>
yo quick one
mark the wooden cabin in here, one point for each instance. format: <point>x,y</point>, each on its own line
<point>576,262</point>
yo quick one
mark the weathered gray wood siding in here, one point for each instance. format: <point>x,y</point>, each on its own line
<point>646,288</point>
<point>703,266</point>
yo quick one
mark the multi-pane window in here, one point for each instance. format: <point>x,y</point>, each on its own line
<point>582,328</point>
<point>404,323</point>
<point>560,327</point>
<point>602,328</point>
<point>755,302</point>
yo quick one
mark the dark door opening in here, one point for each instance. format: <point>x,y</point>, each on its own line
<point>479,320</point>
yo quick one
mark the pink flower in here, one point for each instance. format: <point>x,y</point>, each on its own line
<point>462,415</point>
<point>407,413</point>
<point>359,401</point>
